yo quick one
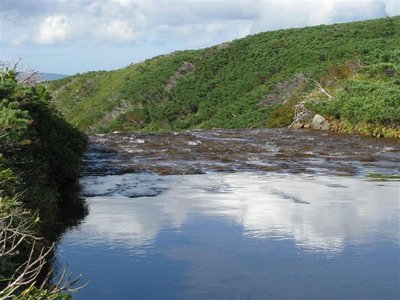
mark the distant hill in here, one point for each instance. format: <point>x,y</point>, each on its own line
<point>348,73</point>
<point>51,76</point>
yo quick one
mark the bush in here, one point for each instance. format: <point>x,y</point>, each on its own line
<point>228,84</point>
<point>39,153</point>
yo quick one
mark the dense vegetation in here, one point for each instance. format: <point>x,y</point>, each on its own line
<point>367,99</point>
<point>39,153</point>
<point>250,82</point>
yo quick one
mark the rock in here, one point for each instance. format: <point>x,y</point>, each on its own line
<point>223,46</point>
<point>185,69</point>
<point>298,125</point>
<point>319,122</point>
<point>284,90</point>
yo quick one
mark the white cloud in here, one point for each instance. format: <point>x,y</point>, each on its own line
<point>392,7</point>
<point>116,30</point>
<point>53,29</point>
<point>321,215</point>
<point>164,25</point>
<point>123,21</point>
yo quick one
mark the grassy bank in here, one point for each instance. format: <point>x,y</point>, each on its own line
<point>39,153</point>
<point>251,82</point>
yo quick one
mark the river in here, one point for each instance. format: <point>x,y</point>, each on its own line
<point>237,214</point>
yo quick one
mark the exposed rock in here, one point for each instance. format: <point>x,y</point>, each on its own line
<point>185,69</point>
<point>319,122</point>
<point>284,90</point>
<point>298,125</point>
<point>123,107</point>
<point>223,46</point>
<point>303,117</point>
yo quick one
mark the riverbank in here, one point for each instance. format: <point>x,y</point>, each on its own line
<point>347,73</point>
<point>40,153</point>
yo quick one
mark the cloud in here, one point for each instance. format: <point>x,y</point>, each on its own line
<point>289,13</point>
<point>123,21</point>
<point>116,30</point>
<point>20,39</point>
<point>151,27</point>
<point>53,29</point>
<point>392,8</point>
<point>322,215</point>
<point>26,8</point>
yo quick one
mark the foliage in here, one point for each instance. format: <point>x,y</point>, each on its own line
<point>368,100</point>
<point>23,256</point>
<point>364,101</point>
<point>383,177</point>
<point>37,144</point>
<point>242,83</point>
<point>39,152</point>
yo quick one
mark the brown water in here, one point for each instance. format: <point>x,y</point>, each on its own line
<point>238,214</point>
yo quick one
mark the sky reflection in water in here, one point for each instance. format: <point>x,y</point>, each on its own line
<point>237,236</point>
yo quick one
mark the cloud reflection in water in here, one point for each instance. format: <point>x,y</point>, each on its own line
<point>320,214</point>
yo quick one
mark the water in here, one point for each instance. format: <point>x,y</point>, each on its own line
<point>257,214</point>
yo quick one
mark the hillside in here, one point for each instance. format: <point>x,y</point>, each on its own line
<point>349,73</point>
<point>51,76</point>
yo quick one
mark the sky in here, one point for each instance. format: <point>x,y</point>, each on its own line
<point>71,36</point>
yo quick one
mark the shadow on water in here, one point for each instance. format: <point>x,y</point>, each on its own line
<point>72,211</point>
<point>73,208</point>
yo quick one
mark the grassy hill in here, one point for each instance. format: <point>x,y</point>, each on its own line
<point>51,76</point>
<point>349,73</point>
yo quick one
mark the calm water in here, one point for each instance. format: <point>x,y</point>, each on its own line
<point>260,214</point>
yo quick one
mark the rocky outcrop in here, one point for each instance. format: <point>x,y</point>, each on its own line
<point>223,46</point>
<point>284,90</point>
<point>319,122</point>
<point>185,69</point>
<point>305,118</point>
<point>123,107</point>
<point>309,120</point>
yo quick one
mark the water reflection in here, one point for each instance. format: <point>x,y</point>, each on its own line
<point>320,214</point>
<point>273,215</point>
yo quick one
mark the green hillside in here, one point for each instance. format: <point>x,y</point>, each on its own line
<point>349,73</point>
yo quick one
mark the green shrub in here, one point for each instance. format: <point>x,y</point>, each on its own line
<point>39,152</point>
<point>227,85</point>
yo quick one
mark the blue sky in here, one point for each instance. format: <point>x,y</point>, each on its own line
<point>70,36</point>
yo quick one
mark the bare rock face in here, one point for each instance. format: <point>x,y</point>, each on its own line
<point>319,122</point>
<point>284,90</point>
<point>185,69</point>
<point>223,46</point>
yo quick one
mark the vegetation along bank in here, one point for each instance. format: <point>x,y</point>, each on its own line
<point>40,153</point>
<point>348,74</point>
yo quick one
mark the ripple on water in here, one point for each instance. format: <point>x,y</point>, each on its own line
<point>308,151</point>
